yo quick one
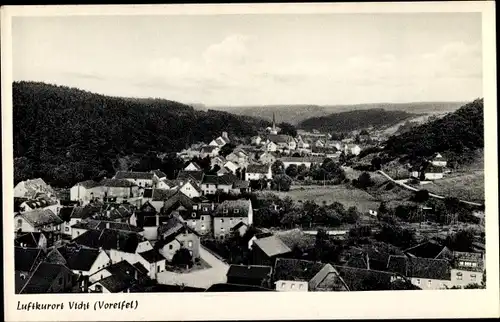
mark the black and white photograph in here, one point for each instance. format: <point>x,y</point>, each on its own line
<point>298,152</point>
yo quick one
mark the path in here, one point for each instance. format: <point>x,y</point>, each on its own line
<point>201,278</point>
<point>404,185</point>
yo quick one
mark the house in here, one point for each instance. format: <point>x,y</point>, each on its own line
<point>265,251</point>
<point>39,220</point>
<point>432,172</point>
<point>467,268</point>
<point>26,259</point>
<point>49,278</point>
<point>157,197</point>
<point>118,212</point>
<point>81,260</point>
<point>29,188</point>
<point>306,161</point>
<point>302,144</point>
<point>84,191</point>
<point>153,261</point>
<point>256,140</point>
<point>429,249</point>
<point>241,228</point>
<point>159,174</point>
<point>198,216</point>
<point>42,202</point>
<point>352,149</point>
<point>295,275</point>
<point>121,189</point>
<point>119,245</point>
<point>191,189</point>
<point>226,287</point>
<point>228,214</point>
<point>120,277</point>
<point>438,160</point>
<point>31,240</point>
<point>196,176</point>
<point>192,166</point>
<point>231,166</point>
<point>91,224</point>
<point>425,273</point>
<point>148,222</point>
<point>163,184</point>
<point>271,147</point>
<point>220,141</point>
<point>217,160</point>
<point>258,171</point>
<point>222,171</point>
<point>142,179</point>
<point>224,183</point>
<point>268,158</point>
<point>174,235</point>
<point>253,275</point>
<point>319,143</point>
<point>241,186</point>
<point>362,279</point>
<point>283,142</point>
<point>209,151</point>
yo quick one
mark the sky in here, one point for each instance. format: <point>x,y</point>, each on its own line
<point>324,59</point>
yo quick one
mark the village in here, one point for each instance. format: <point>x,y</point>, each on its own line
<point>143,232</point>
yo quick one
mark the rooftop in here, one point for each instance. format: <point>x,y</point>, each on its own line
<point>272,246</point>
<point>134,175</point>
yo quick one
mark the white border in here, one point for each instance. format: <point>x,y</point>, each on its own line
<point>245,306</point>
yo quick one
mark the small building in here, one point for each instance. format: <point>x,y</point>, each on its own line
<point>49,278</point>
<point>120,277</point>
<point>258,171</point>
<point>268,158</point>
<point>231,166</point>
<point>467,268</point>
<point>432,172</point>
<point>295,275</point>
<point>438,160</point>
<point>195,176</point>
<point>84,191</point>
<point>253,275</point>
<point>228,214</point>
<point>256,140</point>
<point>209,151</point>
<point>41,202</point>
<point>142,179</point>
<point>191,189</point>
<point>271,146</point>
<point>174,235</point>
<point>192,166</point>
<point>352,149</point>
<point>265,251</point>
<point>306,161</point>
<point>153,261</point>
<point>80,260</point>
<point>39,220</point>
<point>30,188</point>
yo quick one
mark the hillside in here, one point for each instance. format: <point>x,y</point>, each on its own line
<point>458,135</point>
<point>294,114</point>
<point>65,134</point>
<point>355,120</point>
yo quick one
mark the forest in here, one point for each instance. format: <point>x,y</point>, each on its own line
<point>458,135</point>
<point>65,135</point>
<point>355,120</point>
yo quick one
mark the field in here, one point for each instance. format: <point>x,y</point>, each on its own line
<point>341,193</point>
<point>465,186</point>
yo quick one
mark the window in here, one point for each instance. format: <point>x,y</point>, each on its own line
<point>193,222</point>
<point>158,269</point>
<point>202,227</point>
<point>66,228</point>
<point>236,211</point>
<point>459,276</point>
<point>19,223</point>
<point>441,285</point>
<point>202,218</point>
<point>221,220</point>
<point>293,286</point>
<point>301,286</point>
<point>193,214</point>
<point>224,210</point>
<point>429,283</point>
<point>418,281</point>
<point>222,228</point>
<point>205,209</point>
<point>190,244</point>
<point>283,285</point>
<point>473,277</point>
<point>474,264</point>
<point>170,246</point>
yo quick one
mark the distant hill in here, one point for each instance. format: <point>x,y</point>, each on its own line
<point>355,120</point>
<point>65,134</point>
<point>459,135</point>
<point>294,114</point>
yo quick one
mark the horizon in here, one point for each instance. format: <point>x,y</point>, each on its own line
<point>265,60</point>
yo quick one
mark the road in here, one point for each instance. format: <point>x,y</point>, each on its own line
<point>201,278</point>
<point>404,185</point>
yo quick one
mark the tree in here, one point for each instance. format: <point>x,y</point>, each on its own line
<point>287,129</point>
<point>364,132</point>
<point>421,196</point>
<point>352,215</point>
<point>278,167</point>
<point>376,163</point>
<point>281,182</point>
<point>292,170</point>
<point>461,241</point>
<point>364,181</point>
<point>320,244</point>
<point>183,257</point>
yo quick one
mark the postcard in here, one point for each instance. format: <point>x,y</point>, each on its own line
<point>250,161</point>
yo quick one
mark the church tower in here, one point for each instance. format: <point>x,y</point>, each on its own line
<point>274,130</point>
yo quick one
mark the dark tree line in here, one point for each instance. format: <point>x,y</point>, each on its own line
<point>66,135</point>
